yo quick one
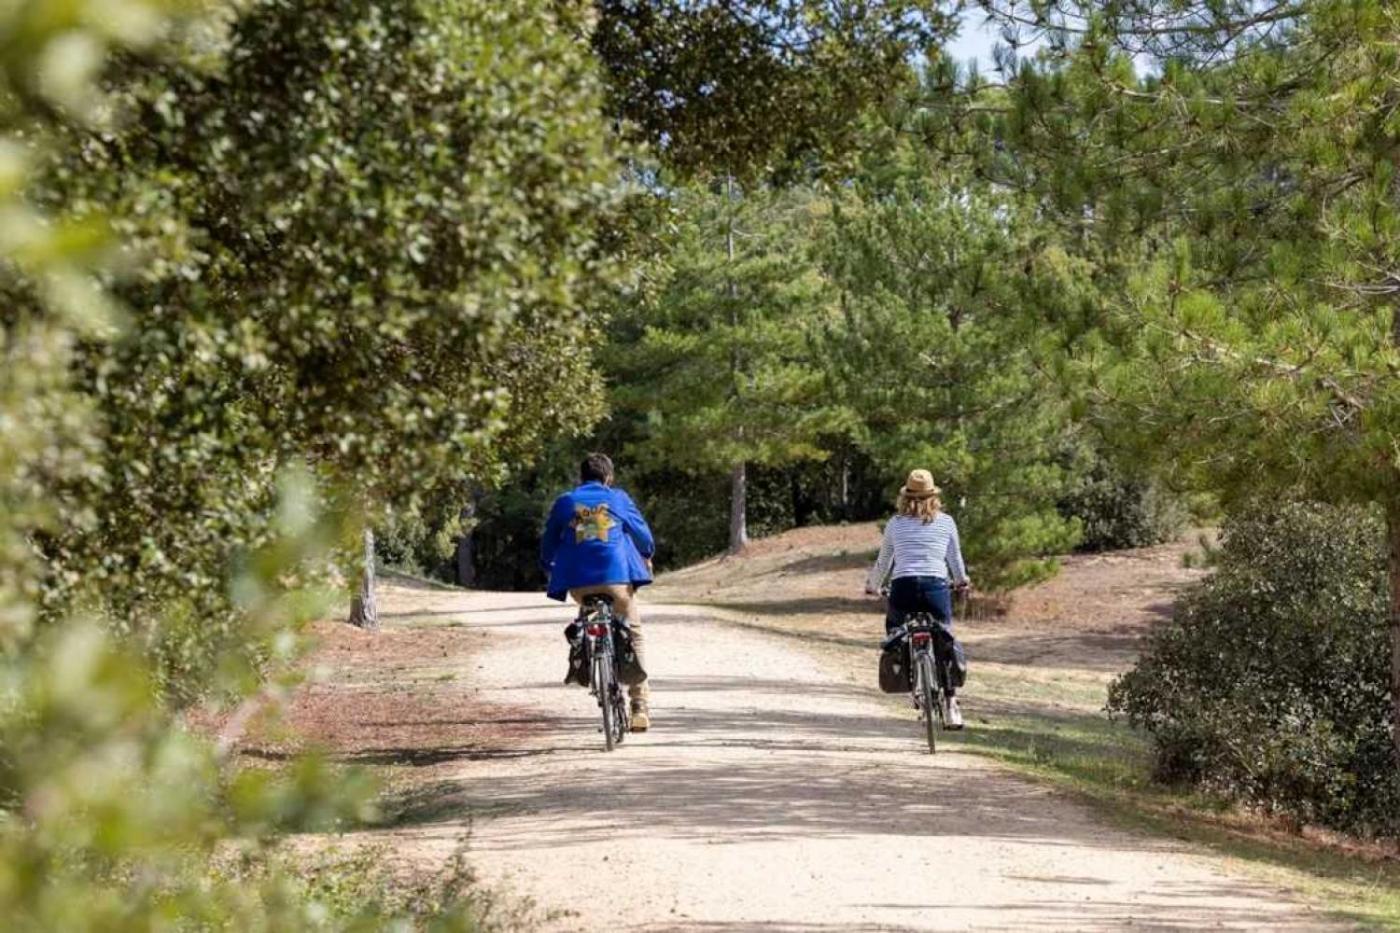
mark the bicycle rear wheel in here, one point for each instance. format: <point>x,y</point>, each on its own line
<point>602,672</point>
<point>929,695</point>
<point>621,721</point>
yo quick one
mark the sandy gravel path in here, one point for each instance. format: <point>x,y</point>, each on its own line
<point>775,794</point>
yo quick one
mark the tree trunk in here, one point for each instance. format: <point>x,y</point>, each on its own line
<point>738,509</point>
<point>739,479</point>
<point>364,611</point>
<point>1393,533</point>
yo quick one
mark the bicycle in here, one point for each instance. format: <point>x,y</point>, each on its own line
<point>927,675</point>
<point>599,626</point>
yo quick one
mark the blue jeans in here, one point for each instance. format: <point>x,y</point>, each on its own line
<point>931,595</point>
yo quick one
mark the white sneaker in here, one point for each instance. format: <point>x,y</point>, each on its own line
<point>952,715</point>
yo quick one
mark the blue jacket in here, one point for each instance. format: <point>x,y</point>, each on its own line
<point>595,535</point>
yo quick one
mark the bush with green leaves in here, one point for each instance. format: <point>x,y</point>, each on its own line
<point>1270,685</point>
<point>115,816</point>
<point>368,241</point>
<point>1117,508</point>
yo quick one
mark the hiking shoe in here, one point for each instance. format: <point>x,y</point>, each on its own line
<point>952,715</point>
<point>641,721</point>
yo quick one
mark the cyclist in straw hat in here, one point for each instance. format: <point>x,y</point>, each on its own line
<point>922,560</point>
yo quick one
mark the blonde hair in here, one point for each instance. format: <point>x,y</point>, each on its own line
<point>924,508</point>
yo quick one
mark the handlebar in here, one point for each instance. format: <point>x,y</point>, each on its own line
<point>884,591</point>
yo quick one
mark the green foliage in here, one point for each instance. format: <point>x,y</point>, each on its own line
<point>941,352</point>
<point>509,519</point>
<point>372,265</point>
<point>1116,508</point>
<point>45,424</point>
<point>688,517</point>
<point>758,86</point>
<point>720,371</point>
<point>113,813</point>
<point>359,891</point>
<point>1270,685</point>
<point>351,246</point>
<point>417,544</point>
<point>1240,207</point>
<point>898,323</point>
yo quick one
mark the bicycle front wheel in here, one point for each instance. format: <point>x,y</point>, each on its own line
<point>929,694</point>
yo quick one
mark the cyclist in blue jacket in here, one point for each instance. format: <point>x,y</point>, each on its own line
<point>597,543</point>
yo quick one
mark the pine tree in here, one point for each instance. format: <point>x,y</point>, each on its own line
<point>1242,194</point>
<point>721,369</point>
<point>942,352</point>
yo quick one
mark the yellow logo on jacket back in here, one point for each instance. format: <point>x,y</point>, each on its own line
<point>592,524</point>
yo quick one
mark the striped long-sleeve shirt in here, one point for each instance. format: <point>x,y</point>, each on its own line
<point>914,549</point>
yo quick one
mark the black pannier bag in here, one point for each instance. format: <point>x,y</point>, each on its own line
<point>894,665</point>
<point>580,667</point>
<point>629,667</point>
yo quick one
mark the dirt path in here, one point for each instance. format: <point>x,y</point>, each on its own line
<point>774,792</point>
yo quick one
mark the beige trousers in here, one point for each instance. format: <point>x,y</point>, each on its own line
<point>624,600</point>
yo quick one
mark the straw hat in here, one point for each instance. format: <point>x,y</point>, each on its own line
<point>919,485</point>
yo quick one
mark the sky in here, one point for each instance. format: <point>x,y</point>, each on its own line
<point>975,40</point>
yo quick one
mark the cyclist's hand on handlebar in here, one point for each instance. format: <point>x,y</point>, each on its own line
<point>965,587</point>
<point>871,591</point>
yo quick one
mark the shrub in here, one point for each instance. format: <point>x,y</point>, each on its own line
<point>1269,686</point>
<point>1117,509</point>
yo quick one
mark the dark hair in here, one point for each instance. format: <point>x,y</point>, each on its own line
<point>596,468</point>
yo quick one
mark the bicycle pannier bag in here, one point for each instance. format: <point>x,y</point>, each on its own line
<point>894,667</point>
<point>580,669</point>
